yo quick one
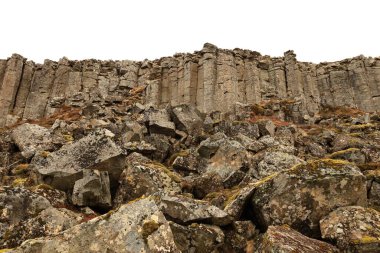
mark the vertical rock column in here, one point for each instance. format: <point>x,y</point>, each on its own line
<point>190,80</point>
<point>24,88</point>
<point>252,81</point>
<point>373,69</point>
<point>9,86</point>
<point>207,75</point>
<point>40,89</point>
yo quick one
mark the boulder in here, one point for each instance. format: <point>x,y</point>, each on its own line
<point>208,147</point>
<point>266,127</point>
<point>95,151</point>
<point>283,239</point>
<point>304,194</point>
<point>275,162</point>
<point>196,237</point>
<point>92,190</point>
<point>353,228</point>
<point>240,237</point>
<point>31,138</point>
<point>135,227</point>
<point>50,221</point>
<point>158,122</point>
<point>187,118</point>
<point>186,210</point>
<point>143,177</point>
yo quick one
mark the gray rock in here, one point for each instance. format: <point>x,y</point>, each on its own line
<point>187,118</point>
<point>301,196</point>
<point>283,239</point>
<point>92,190</point>
<point>158,122</point>
<point>196,237</point>
<point>208,147</point>
<point>185,210</point>
<point>31,138</point>
<point>95,151</point>
<point>353,228</point>
<point>240,237</point>
<point>135,227</point>
<point>266,127</point>
<point>275,162</point>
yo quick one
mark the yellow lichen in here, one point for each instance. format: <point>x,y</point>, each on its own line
<point>366,240</point>
<point>42,187</point>
<point>5,250</point>
<point>19,182</point>
<point>44,154</point>
<point>68,137</point>
<point>182,153</point>
<point>362,126</point>
<point>173,175</point>
<point>342,152</point>
<point>149,227</point>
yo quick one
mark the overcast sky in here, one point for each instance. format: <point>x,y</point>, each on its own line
<point>317,30</point>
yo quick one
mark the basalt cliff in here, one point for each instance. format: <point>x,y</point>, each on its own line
<point>210,79</point>
<point>217,151</point>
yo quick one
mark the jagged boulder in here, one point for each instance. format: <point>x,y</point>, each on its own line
<point>208,147</point>
<point>186,210</point>
<point>353,228</point>
<point>196,237</point>
<point>135,227</point>
<point>95,151</point>
<point>301,196</point>
<point>158,122</point>
<point>187,118</point>
<point>31,138</point>
<point>143,177</point>
<point>240,237</point>
<point>283,239</point>
<point>92,190</point>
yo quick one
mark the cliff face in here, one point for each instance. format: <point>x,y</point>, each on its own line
<point>211,79</point>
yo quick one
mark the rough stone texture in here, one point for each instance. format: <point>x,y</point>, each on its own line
<point>32,138</point>
<point>186,210</point>
<point>283,239</point>
<point>136,227</point>
<point>196,237</point>
<point>353,228</point>
<point>92,190</point>
<point>301,196</point>
<point>210,79</point>
<point>96,151</point>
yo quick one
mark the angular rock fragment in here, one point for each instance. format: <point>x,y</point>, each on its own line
<point>135,227</point>
<point>62,168</point>
<point>283,239</point>
<point>208,147</point>
<point>92,190</point>
<point>240,237</point>
<point>196,237</point>
<point>301,196</point>
<point>266,127</point>
<point>32,138</point>
<point>158,122</point>
<point>353,228</point>
<point>143,177</point>
<point>187,118</point>
<point>185,210</point>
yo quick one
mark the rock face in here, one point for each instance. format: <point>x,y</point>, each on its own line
<point>211,79</point>
<point>301,196</point>
<point>354,228</point>
<point>283,239</point>
<point>137,227</point>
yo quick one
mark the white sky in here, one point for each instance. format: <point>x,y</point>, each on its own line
<point>317,30</point>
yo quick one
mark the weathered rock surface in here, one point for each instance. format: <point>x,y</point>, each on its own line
<point>353,228</point>
<point>283,239</point>
<point>96,151</point>
<point>32,138</point>
<point>135,227</point>
<point>301,196</point>
<point>92,190</point>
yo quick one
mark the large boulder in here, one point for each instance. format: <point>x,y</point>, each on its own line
<point>158,122</point>
<point>353,228</point>
<point>95,151</point>
<point>187,118</point>
<point>31,138</point>
<point>92,190</point>
<point>304,194</point>
<point>283,239</point>
<point>186,210</point>
<point>135,227</point>
<point>143,177</point>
